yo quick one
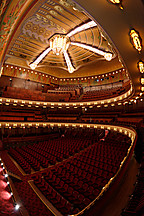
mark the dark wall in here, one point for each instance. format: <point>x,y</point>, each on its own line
<point>22,83</point>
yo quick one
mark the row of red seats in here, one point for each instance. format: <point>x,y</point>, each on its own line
<point>61,148</point>
<point>57,194</point>
<point>43,154</point>
<point>41,159</point>
<point>51,151</point>
<point>80,181</point>
<point>30,159</point>
<point>30,200</point>
<point>64,206</point>
<point>20,160</point>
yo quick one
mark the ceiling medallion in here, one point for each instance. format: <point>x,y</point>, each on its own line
<point>59,43</point>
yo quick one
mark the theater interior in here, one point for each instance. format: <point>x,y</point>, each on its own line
<point>71,108</point>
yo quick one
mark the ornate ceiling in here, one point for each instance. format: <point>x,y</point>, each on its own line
<point>51,17</point>
<point>27,26</point>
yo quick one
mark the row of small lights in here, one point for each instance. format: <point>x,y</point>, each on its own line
<point>40,74</point>
<point>95,77</point>
<point>74,105</point>
<point>98,106</point>
<point>77,125</point>
<point>85,107</point>
<point>71,79</point>
<point>17,206</point>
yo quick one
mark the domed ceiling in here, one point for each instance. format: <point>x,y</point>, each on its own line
<point>59,38</point>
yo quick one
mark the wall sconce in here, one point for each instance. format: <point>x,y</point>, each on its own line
<point>118,3</point>
<point>136,39</point>
<point>141,66</point>
<point>142,81</point>
<point>1,70</point>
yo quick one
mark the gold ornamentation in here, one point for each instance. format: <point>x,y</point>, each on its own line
<point>136,39</point>
<point>141,66</point>
<point>58,8</point>
<point>49,17</point>
<point>64,3</point>
<point>53,13</point>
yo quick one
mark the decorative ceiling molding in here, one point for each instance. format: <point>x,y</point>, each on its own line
<point>59,17</point>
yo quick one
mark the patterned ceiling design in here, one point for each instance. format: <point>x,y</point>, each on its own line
<point>58,16</point>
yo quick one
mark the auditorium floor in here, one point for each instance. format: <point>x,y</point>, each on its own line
<point>119,200</point>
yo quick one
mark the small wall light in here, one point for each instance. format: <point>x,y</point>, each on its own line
<point>136,39</point>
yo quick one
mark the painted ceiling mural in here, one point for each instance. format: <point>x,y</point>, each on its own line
<point>51,17</point>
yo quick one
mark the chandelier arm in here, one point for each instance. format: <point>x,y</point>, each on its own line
<point>107,55</point>
<point>34,64</point>
<point>82,28</point>
<point>68,62</point>
<point>43,55</point>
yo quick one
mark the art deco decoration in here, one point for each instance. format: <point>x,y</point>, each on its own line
<point>142,81</point>
<point>117,2</point>
<point>141,66</point>
<point>1,70</point>
<point>59,43</point>
<point>136,39</point>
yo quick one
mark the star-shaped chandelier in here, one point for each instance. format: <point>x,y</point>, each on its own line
<point>59,43</point>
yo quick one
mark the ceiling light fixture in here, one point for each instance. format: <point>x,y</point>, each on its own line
<point>117,2</point>
<point>59,43</point>
<point>37,61</point>
<point>68,61</point>
<point>83,27</point>
<point>107,55</point>
<point>141,66</point>
<point>136,39</point>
